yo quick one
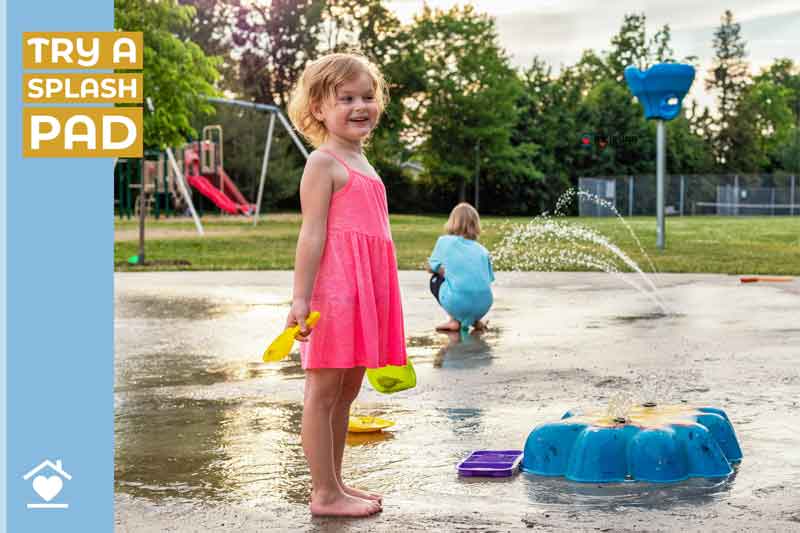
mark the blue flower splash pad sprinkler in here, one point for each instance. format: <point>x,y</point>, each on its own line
<point>659,444</point>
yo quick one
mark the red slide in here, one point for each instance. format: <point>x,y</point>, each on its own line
<point>231,190</point>
<point>215,195</point>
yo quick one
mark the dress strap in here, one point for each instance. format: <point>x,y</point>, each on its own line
<point>336,157</point>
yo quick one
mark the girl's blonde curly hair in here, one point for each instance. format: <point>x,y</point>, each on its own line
<point>319,81</point>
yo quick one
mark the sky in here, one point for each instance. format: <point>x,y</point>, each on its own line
<point>559,30</point>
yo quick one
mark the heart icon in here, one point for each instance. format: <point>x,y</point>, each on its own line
<point>47,487</point>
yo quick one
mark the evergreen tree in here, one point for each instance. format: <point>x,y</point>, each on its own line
<point>729,78</point>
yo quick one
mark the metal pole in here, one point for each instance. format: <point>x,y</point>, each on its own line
<point>683,191</point>
<point>142,212</point>
<point>660,160</point>
<point>292,134</point>
<point>736,195</point>
<point>264,107</point>
<point>630,196</point>
<point>477,172</point>
<point>128,193</point>
<point>179,177</point>
<point>772,201</point>
<point>184,190</point>
<point>264,165</point>
<point>791,197</point>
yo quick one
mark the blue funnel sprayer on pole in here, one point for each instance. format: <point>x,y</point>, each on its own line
<point>660,89</point>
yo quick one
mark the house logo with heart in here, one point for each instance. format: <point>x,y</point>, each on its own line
<point>47,483</point>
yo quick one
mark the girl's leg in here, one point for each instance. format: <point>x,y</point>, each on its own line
<point>351,385</point>
<point>450,325</point>
<point>436,285</point>
<point>323,387</point>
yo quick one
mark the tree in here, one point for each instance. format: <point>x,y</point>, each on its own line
<point>211,30</point>
<point>273,41</point>
<point>689,147</point>
<point>366,25</point>
<point>631,47</point>
<point>784,73</point>
<point>764,124</point>
<point>548,125</point>
<point>177,74</point>
<point>608,111</point>
<point>729,78</point>
<point>465,111</point>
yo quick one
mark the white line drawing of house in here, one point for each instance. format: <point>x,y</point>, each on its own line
<point>57,467</point>
<point>60,470</point>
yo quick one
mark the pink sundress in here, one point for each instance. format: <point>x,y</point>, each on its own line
<point>357,291</point>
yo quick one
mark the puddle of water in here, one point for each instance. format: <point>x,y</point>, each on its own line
<point>170,308</point>
<point>209,449</point>
<point>470,351</point>
<point>156,370</point>
<point>646,316</point>
<point>611,496</point>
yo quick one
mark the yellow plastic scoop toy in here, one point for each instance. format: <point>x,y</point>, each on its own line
<point>389,379</point>
<point>367,424</point>
<point>281,346</point>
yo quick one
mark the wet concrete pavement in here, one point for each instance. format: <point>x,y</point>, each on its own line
<point>207,437</point>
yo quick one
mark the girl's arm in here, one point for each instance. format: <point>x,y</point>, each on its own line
<point>316,188</point>
<point>436,260</point>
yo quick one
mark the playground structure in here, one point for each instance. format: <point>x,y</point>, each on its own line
<point>203,169</point>
<point>158,184</point>
<point>202,166</point>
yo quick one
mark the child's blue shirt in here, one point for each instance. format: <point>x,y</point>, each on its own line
<point>466,293</point>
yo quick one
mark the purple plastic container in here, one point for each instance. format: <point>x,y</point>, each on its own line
<point>491,463</point>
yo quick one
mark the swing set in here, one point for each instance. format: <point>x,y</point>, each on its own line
<point>158,184</point>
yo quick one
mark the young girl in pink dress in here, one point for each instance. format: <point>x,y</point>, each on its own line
<point>345,268</point>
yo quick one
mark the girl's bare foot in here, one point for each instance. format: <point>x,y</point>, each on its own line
<point>362,494</point>
<point>341,504</point>
<point>451,325</point>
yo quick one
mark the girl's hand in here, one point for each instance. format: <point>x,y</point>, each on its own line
<point>297,315</point>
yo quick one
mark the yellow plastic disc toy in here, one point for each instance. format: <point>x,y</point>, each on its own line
<point>367,424</point>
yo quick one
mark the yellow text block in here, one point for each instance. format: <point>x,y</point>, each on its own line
<point>82,132</point>
<point>82,88</point>
<point>82,50</point>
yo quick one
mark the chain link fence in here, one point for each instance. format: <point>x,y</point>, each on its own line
<point>707,194</point>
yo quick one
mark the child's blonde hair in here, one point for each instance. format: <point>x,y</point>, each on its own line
<point>319,81</point>
<point>464,221</point>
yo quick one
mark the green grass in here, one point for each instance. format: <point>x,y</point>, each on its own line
<point>732,245</point>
